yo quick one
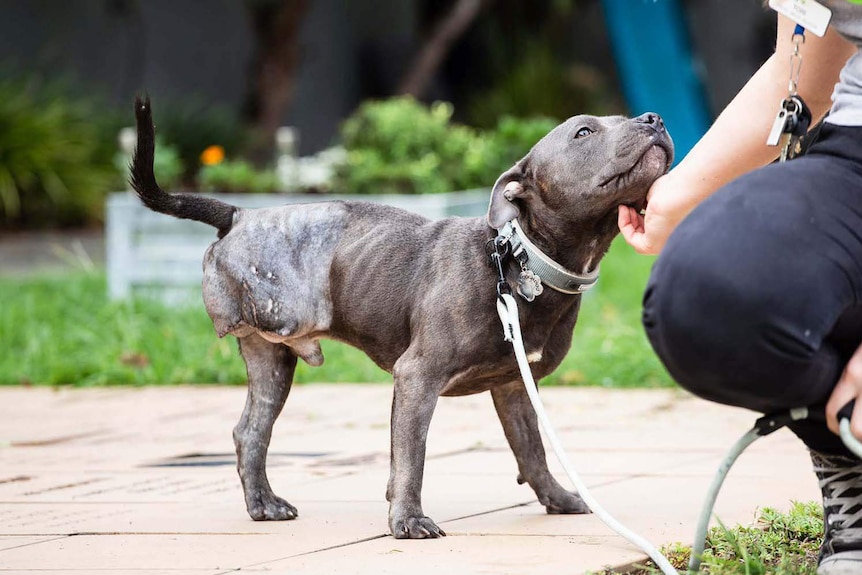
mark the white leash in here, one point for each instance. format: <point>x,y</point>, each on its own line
<point>507,308</point>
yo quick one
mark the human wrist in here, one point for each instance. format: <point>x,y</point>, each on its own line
<point>676,194</point>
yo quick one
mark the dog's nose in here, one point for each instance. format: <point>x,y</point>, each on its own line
<point>652,119</point>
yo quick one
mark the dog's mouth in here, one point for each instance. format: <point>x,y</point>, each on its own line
<point>655,160</point>
<point>652,164</point>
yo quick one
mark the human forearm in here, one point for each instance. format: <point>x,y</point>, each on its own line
<point>736,142</point>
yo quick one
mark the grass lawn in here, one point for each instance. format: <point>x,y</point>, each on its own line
<point>62,330</point>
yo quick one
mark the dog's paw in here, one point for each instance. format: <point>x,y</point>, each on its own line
<point>270,507</point>
<point>564,503</point>
<point>416,528</point>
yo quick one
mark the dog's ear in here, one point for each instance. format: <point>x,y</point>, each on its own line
<point>509,185</point>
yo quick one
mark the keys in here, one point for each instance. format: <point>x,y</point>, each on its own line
<point>796,129</point>
<point>791,123</point>
<point>779,126</point>
<point>803,117</point>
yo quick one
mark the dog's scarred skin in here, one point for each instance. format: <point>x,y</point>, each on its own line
<point>417,296</point>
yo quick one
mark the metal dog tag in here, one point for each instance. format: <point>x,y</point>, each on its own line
<point>529,285</point>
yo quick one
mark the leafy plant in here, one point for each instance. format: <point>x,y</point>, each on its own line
<point>401,146</point>
<point>778,544</point>
<point>238,176</point>
<point>55,166</point>
<point>510,140</point>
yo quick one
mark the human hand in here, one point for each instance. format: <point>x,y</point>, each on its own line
<point>849,387</point>
<point>647,233</point>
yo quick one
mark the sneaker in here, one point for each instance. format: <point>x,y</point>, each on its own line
<point>841,484</point>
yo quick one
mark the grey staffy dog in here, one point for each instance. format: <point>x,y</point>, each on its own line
<point>417,296</point>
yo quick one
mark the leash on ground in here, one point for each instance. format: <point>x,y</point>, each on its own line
<point>507,308</point>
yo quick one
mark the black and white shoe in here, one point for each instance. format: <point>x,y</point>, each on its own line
<point>841,484</point>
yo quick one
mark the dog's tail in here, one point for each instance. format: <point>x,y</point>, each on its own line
<point>188,206</point>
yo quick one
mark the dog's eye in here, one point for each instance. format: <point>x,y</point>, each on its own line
<point>583,132</point>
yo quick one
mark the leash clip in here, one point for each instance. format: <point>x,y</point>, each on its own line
<point>501,249</point>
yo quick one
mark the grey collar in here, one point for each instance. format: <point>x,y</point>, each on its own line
<point>534,261</point>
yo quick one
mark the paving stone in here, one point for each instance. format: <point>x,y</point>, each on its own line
<point>148,552</point>
<point>127,480</point>
<point>500,555</point>
<point>14,541</point>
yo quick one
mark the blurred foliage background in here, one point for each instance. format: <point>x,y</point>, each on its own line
<point>466,93</point>
<point>384,96</point>
<point>486,78</point>
<point>55,153</point>
<point>402,146</point>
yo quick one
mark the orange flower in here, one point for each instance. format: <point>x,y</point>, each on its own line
<point>212,155</point>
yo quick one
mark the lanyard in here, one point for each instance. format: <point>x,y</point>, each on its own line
<point>793,118</point>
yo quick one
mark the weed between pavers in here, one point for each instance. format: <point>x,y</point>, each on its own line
<point>777,544</point>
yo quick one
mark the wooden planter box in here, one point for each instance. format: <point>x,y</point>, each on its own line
<point>160,255</point>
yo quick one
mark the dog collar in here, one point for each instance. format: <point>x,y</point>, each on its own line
<point>532,259</point>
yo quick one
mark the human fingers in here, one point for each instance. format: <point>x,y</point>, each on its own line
<point>856,419</point>
<point>844,392</point>
<point>631,224</point>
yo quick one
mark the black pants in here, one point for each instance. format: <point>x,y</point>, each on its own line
<point>755,300</point>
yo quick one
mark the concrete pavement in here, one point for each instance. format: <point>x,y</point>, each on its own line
<point>143,481</point>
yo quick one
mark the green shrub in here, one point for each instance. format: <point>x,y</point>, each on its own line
<point>507,143</point>
<point>401,146</point>
<point>238,176</point>
<point>55,165</point>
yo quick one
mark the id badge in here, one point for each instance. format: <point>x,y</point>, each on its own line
<point>809,14</point>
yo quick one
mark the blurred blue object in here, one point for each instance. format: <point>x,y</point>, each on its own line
<point>656,67</point>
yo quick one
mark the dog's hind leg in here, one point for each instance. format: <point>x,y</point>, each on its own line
<point>522,431</point>
<point>270,368</point>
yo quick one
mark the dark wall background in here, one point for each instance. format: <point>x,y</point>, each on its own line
<point>731,38</point>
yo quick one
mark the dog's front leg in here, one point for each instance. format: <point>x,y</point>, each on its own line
<point>522,431</point>
<point>270,368</point>
<point>413,402</point>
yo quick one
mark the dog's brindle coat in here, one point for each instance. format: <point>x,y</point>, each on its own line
<point>417,296</point>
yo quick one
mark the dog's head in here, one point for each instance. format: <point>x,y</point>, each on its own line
<point>583,169</point>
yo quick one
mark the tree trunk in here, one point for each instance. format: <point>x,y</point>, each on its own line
<point>434,52</point>
<point>276,25</point>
